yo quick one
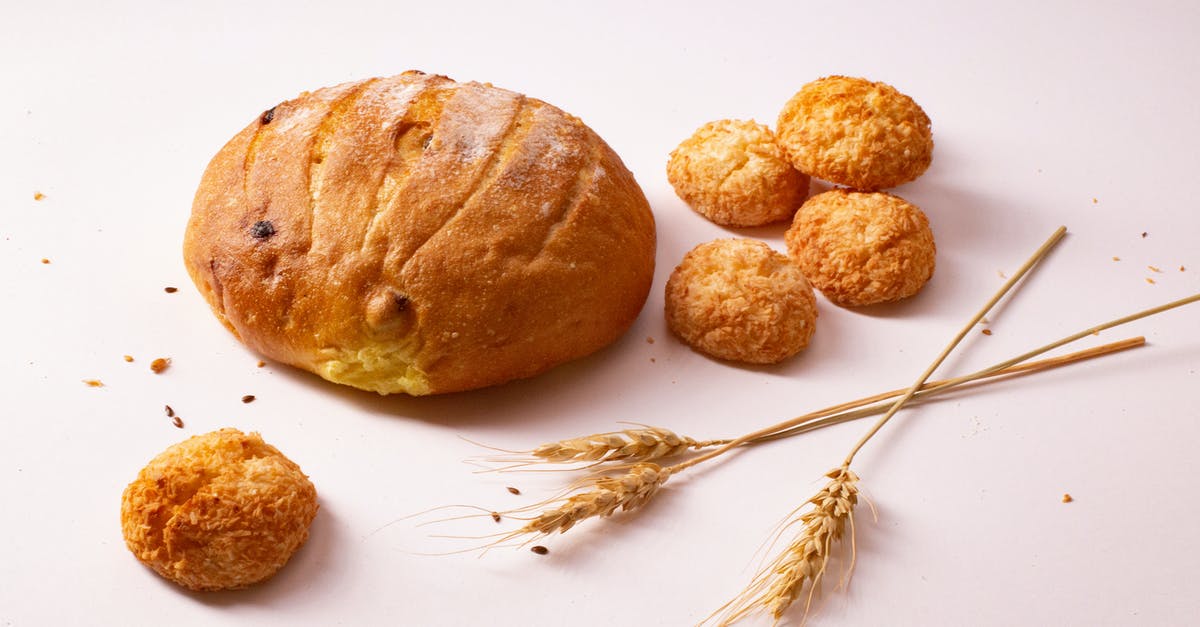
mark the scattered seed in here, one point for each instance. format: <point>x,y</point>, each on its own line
<point>1154,269</point>
<point>170,412</point>
<point>160,364</point>
<point>1150,280</point>
<point>1115,258</point>
<point>177,421</point>
<point>1067,498</point>
<point>262,229</point>
<point>987,331</point>
<point>39,196</point>
<point>94,383</point>
<point>127,358</point>
<point>268,115</point>
<point>649,339</point>
<point>1095,201</point>
<point>1144,234</point>
<point>540,550</point>
<point>170,290</point>
<point>513,490</point>
<point>249,398</point>
<point>261,364</point>
<point>1181,268</point>
<point>496,516</point>
<point>44,260</point>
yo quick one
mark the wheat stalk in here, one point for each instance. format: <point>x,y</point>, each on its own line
<point>804,562</point>
<point>649,443</point>
<point>777,587</point>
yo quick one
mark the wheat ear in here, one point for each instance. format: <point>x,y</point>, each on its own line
<point>805,560</point>
<point>603,497</point>
<point>645,443</point>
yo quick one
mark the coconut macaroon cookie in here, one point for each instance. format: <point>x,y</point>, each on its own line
<point>734,173</point>
<point>855,132</point>
<point>217,511</point>
<point>862,248</point>
<point>739,300</point>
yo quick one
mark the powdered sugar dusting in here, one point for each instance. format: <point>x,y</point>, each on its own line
<point>483,115</point>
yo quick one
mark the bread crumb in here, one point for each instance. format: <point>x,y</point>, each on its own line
<point>261,364</point>
<point>652,360</point>
<point>94,383</point>
<point>1181,268</point>
<point>39,196</point>
<point>1150,280</point>
<point>44,260</point>
<point>649,339</point>
<point>1095,201</point>
<point>1066,498</point>
<point>1154,269</point>
<point>1144,234</point>
<point>160,364</point>
<point>249,398</point>
<point>170,290</point>
<point>987,331</point>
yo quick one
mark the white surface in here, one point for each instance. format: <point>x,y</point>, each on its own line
<point>1042,115</point>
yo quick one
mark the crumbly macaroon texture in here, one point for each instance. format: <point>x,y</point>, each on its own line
<point>737,299</point>
<point>218,511</point>
<point>854,132</point>
<point>862,248</point>
<point>735,173</point>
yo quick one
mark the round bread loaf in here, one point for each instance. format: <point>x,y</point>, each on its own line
<point>218,511</point>
<point>413,234</point>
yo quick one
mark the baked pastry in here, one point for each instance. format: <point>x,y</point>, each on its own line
<point>739,300</point>
<point>862,248</point>
<point>857,133</point>
<point>735,174</point>
<point>413,234</point>
<point>217,511</point>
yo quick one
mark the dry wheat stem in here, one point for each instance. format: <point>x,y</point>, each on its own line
<point>862,407</point>
<point>1043,349</point>
<point>983,311</point>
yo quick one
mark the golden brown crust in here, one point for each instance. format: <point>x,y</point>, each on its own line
<point>425,236</point>
<point>737,299</point>
<point>854,132</point>
<point>862,248</point>
<point>217,511</point>
<point>734,173</point>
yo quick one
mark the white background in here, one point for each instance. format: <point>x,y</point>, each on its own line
<point>1085,115</point>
